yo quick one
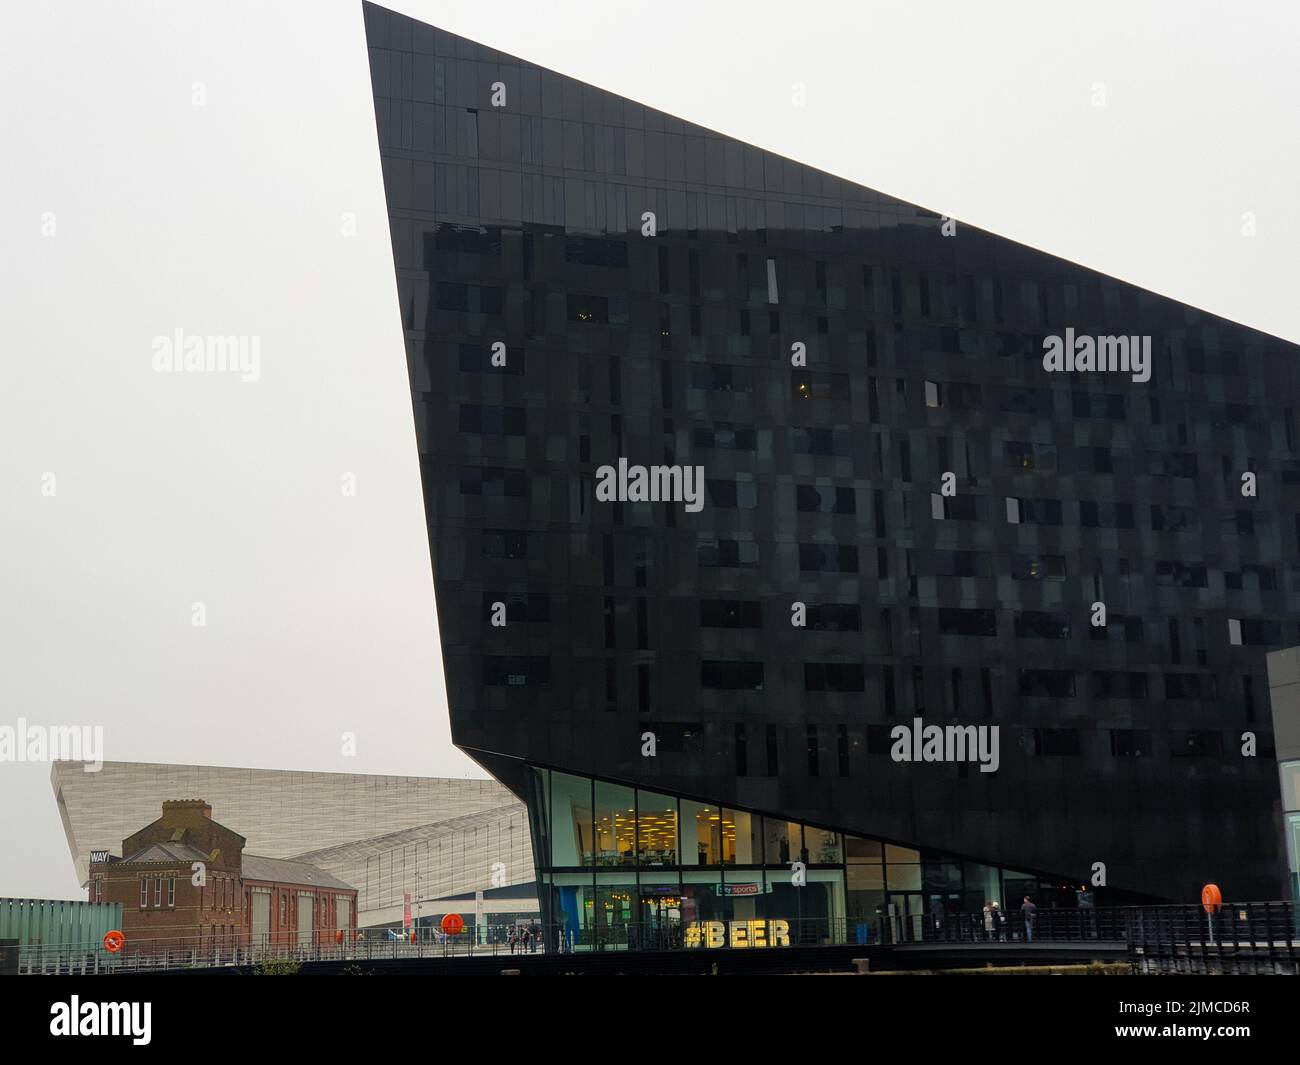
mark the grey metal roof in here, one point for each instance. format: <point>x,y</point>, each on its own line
<point>281,871</point>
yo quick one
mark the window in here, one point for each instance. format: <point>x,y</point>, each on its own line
<point>144,892</point>
<point>805,384</point>
<point>828,558</point>
<point>954,508</point>
<point>1130,742</point>
<point>1195,744</point>
<point>1172,465</point>
<point>724,436</point>
<point>494,421</point>
<point>825,499</point>
<point>1029,456</point>
<point>531,607</point>
<point>1042,625</point>
<point>1119,628</point>
<point>726,554</point>
<point>955,395</point>
<point>835,617</point>
<point>1190,686</point>
<point>1047,683</point>
<point>1098,405</point>
<point>505,543</point>
<point>958,621</point>
<point>731,614</point>
<point>1060,742</point>
<point>1038,567</point>
<point>451,296</point>
<point>1176,574</point>
<point>171,892</point>
<point>732,495</point>
<point>1165,518</point>
<point>1033,511</point>
<point>593,309</point>
<point>959,564</point>
<point>470,240</point>
<point>1106,515</point>
<point>494,482</point>
<point>719,377</point>
<point>1254,632</point>
<point>821,442</point>
<point>731,676</point>
<point>596,251</point>
<point>834,677</point>
<point>1117,685</point>
<point>516,671</point>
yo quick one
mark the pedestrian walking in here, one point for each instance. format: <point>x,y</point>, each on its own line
<point>1028,914</point>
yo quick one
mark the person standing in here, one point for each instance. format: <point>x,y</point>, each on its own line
<point>988,919</point>
<point>1028,914</point>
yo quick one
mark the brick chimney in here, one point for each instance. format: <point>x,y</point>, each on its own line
<point>185,813</point>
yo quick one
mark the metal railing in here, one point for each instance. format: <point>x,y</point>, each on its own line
<point>1261,936</point>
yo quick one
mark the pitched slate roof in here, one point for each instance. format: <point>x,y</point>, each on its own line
<point>282,871</point>
<point>167,852</point>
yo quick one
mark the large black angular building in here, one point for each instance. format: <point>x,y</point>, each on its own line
<point>861,386</point>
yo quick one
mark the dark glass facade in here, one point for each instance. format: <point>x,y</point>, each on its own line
<point>899,512</point>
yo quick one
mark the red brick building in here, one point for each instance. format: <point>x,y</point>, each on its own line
<point>186,884</point>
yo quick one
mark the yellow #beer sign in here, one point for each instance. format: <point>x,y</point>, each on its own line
<point>713,934</point>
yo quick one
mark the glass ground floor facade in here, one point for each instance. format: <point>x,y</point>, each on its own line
<point>1291,823</point>
<point>626,868</point>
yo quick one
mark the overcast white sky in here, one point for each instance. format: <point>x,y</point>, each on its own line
<point>226,219</point>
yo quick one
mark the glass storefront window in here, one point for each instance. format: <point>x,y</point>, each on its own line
<point>701,834</point>
<point>903,876</point>
<point>701,900</point>
<point>859,851</point>
<point>742,839</point>
<point>659,922</point>
<point>656,829</point>
<point>1293,852</point>
<point>617,911</point>
<point>572,839</point>
<point>983,884</point>
<point>1290,785</point>
<point>1015,886</point>
<point>573,910</point>
<point>614,825</point>
<point>823,847</point>
<point>781,842</point>
<point>901,854</point>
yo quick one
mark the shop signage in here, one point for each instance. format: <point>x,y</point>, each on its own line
<point>738,934</point>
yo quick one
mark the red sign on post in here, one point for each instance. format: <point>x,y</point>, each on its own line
<point>453,924</point>
<point>113,941</point>
<point>1211,898</point>
<point>406,911</point>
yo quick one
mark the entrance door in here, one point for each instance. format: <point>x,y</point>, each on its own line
<point>907,917</point>
<point>306,911</point>
<point>261,918</point>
